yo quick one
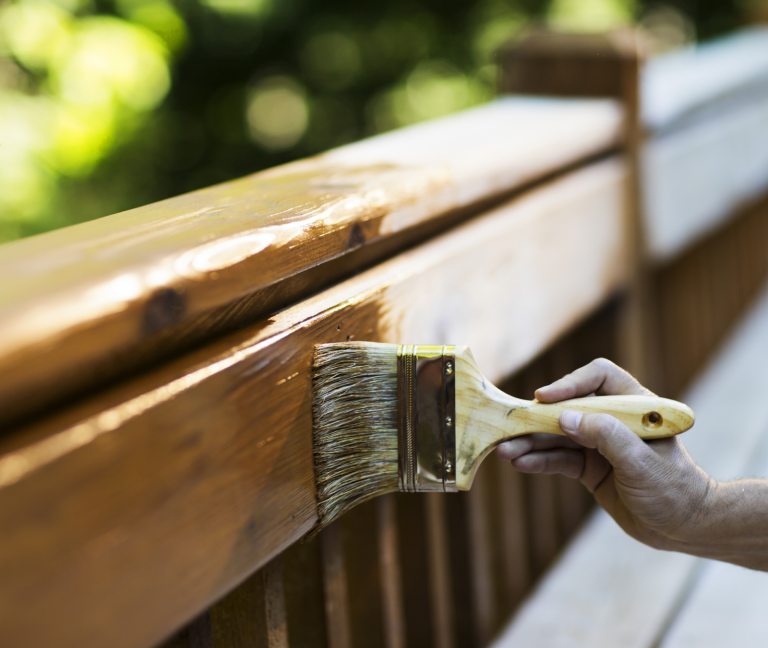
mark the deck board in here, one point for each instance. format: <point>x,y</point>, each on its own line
<point>608,589</point>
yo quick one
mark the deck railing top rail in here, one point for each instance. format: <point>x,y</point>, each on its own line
<point>678,84</point>
<point>91,301</point>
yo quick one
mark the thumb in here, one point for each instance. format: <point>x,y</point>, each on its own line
<point>612,439</point>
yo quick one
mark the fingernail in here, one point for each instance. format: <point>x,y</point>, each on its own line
<point>570,420</point>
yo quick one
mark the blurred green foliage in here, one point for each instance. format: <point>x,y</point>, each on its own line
<point>110,104</point>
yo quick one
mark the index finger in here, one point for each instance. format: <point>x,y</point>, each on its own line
<point>601,377</point>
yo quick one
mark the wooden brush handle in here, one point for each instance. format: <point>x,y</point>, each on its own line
<point>650,417</point>
<point>486,416</point>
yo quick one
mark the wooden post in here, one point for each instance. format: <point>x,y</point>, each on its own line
<point>599,65</point>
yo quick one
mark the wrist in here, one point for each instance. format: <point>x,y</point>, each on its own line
<point>711,530</point>
<point>703,504</point>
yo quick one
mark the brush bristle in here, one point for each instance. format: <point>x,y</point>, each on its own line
<point>354,412</point>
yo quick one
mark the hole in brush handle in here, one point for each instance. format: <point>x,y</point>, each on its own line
<point>652,421</point>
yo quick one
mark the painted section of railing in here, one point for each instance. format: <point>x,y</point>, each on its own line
<point>87,303</point>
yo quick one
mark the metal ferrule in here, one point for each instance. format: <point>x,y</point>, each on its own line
<point>426,418</point>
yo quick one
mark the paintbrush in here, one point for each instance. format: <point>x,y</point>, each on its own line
<point>422,418</point>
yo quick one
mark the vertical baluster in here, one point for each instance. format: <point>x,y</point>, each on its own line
<point>482,578</point>
<point>335,585</point>
<point>443,568</point>
<point>415,552</point>
<point>252,615</point>
<point>361,542</point>
<point>305,595</point>
<point>389,564</point>
<point>512,555</point>
<point>199,632</point>
<point>542,489</point>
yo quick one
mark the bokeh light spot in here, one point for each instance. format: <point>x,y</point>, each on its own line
<point>493,33</point>
<point>253,8</point>
<point>590,15</point>
<point>331,59</point>
<point>277,113</point>
<point>112,60</point>
<point>158,16</point>
<point>36,32</point>
<point>434,88</point>
<point>666,28</point>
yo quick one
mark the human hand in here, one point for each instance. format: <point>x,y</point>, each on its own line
<point>653,489</point>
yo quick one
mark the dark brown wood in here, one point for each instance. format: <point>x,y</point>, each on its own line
<point>199,632</point>
<point>337,612</point>
<point>542,62</point>
<point>305,595</point>
<point>365,587</point>
<point>701,294</point>
<point>511,552</point>
<point>391,575</point>
<point>253,615</point>
<point>415,560</point>
<point>480,558</point>
<point>544,524</point>
<point>442,582</point>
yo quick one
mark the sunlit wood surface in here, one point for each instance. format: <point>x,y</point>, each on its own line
<point>89,302</point>
<point>217,447</point>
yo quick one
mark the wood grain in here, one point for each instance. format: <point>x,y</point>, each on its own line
<point>391,574</point>
<point>726,608</point>
<point>484,603</point>
<point>90,302</point>
<point>553,63</point>
<point>700,295</point>
<point>305,595</point>
<point>416,557</point>
<point>253,615</point>
<point>511,549</point>
<point>486,416</point>
<point>156,498</point>
<point>337,617</point>
<point>442,581</point>
<point>364,576</point>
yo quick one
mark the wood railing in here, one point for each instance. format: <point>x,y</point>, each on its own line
<point>156,466</point>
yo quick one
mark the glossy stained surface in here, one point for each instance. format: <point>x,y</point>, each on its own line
<point>84,303</point>
<point>217,446</point>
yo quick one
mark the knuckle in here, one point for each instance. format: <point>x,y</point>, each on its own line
<point>603,424</point>
<point>604,364</point>
<point>534,464</point>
